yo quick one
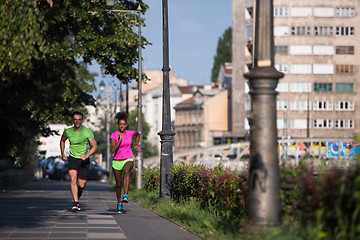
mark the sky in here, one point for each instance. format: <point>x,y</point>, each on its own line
<point>195,27</point>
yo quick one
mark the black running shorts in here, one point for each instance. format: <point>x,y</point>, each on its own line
<point>81,166</point>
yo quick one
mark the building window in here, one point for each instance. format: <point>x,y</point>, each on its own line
<point>281,105</point>
<point>344,87</point>
<point>249,32</point>
<point>345,31</point>
<point>248,105</point>
<point>300,69</point>
<point>284,68</point>
<point>344,123</point>
<point>323,50</point>
<point>323,69</point>
<point>301,11</point>
<point>323,31</point>
<point>323,123</point>
<point>298,123</point>
<point>344,68</point>
<point>344,106</point>
<point>281,123</point>
<point>302,30</point>
<point>280,11</point>
<point>300,50</point>
<point>282,87</point>
<point>345,12</point>
<point>249,13</point>
<point>281,49</point>
<point>323,105</point>
<point>323,12</point>
<point>322,87</point>
<point>300,87</point>
<point>345,50</point>
<point>299,105</point>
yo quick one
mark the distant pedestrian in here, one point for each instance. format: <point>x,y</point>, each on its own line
<point>81,138</point>
<point>59,168</point>
<point>123,160</point>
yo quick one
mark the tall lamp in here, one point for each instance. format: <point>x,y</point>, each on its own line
<point>264,178</point>
<point>139,164</point>
<point>166,134</point>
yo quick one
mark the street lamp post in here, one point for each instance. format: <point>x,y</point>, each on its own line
<point>139,165</point>
<point>139,156</point>
<point>108,120</point>
<point>166,134</point>
<point>264,179</point>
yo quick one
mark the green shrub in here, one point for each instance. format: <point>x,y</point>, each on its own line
<point>313,207</point>
<point>151,179</point>
<point>219,188</point>
<point>329,201</point>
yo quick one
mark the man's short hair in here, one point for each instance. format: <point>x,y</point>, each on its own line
<point>78,113</point>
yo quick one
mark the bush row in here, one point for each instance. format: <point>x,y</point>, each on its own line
<point>329,202</point>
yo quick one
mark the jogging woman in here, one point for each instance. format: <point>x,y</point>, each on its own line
<point>123,160</point>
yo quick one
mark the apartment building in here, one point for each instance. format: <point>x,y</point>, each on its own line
<point>317,47</point>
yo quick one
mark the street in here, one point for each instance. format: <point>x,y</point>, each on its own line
<point>42,210</point>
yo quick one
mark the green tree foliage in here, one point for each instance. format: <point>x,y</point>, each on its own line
<point>223,53</point>
<point>45,49</point>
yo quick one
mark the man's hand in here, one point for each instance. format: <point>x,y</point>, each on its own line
<point>63,157</point>
<point>83,157</point>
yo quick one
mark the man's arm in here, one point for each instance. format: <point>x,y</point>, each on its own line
<point>93,149</point>
<point>62,147</point>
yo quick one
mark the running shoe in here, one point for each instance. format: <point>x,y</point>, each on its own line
<point>119,208</point>
<point>125,198</point>
<point>76,207</point>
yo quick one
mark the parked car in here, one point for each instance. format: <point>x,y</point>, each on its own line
<point>95,172</point>
<point>48,167</point>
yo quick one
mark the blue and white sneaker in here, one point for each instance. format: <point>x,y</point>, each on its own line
<point>125,198</point>
<point>119,208</point>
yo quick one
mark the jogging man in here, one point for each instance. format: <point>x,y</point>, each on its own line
<point>80,137</point>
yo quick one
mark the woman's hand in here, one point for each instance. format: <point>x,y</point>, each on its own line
<point>137,148</point>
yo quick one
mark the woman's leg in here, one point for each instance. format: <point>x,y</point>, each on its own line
<point>118,180</point>
<point>127,168</point>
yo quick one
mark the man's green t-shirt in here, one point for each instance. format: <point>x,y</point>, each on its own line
<point>79,140</point>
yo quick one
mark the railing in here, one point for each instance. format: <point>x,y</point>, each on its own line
<point>236,155</point>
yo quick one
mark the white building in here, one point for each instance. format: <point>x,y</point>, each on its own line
<point>317,47</point>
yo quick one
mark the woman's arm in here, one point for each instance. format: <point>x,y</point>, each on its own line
<point>115,145</point>
<point>137,147</point>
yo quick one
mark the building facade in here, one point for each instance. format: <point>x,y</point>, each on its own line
<point>201,119</point>
<point>317,48</point>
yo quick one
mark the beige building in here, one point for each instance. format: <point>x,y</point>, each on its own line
<point>201,119</point>
<point>317,48</point>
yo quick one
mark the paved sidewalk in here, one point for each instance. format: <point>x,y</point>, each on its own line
<point>42,210</point>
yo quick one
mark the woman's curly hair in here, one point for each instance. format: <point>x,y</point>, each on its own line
<point>122,116</point>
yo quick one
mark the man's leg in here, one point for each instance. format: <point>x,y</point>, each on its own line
<point>82,184</point>
<point>73,184</point>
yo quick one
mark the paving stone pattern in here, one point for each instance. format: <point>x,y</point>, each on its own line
<point>42,210</point>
